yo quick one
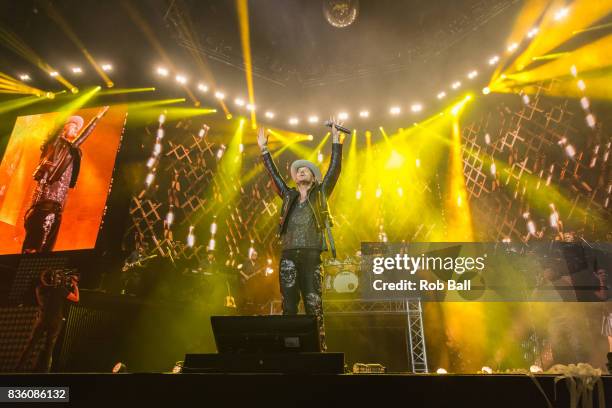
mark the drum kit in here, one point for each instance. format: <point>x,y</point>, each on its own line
<point>342,276</point>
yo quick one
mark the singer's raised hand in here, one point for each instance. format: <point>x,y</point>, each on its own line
<point>262,138</point>
<point>335,132</point>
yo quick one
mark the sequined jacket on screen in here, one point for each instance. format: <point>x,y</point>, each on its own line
<point>291,194</point>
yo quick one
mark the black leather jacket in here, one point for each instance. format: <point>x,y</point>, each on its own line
<point>291,194</point>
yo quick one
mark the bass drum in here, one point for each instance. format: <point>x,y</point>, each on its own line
<point>345,282</point>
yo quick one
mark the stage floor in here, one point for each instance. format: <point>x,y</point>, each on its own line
<point>426,390</point>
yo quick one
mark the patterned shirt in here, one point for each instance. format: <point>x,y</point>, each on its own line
<point>301,229</point>
<point>57,191</point>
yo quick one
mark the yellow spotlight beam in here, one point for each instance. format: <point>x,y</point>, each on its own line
<point>243,20</point>
<point>185,26</point>
<point>63,24</point>
<point>75,104</point>
<point>8,84</point>
<point>550,56</point>
<point>590,57</point>
<point>291,137</point>
<point>457,205</point>
<point>315,151</point>
<point>18,103</point>
<point>552,33</point>
<point>148,104</point>
<point>150,35</point>
<point>126,91</point>
<point>526,19</point>
<point>12,41</point>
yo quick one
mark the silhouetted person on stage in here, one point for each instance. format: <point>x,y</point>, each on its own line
<point>57,171</point>
<point>51,295</point>
<point>304,221</point>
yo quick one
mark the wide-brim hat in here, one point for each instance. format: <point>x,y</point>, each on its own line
<point>305,163</point>
<point>77,120</point>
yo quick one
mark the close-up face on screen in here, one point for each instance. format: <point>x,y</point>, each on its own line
<point>306,202</point>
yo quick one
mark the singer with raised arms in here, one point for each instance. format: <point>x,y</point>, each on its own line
<point>304,227</point>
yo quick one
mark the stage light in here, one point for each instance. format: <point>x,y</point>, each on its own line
<point>313,119</point>
<point>170,217</point>
<point>441,95</point>
<point>250,107</point>
<point>400,191</point>
<point>181,79</point>
<point>456,85</point>
<point>561,13</point>
<point>526,99</point>
<point>239,102</point>
<point>486,90</point>
<point>487,138</point>
<point>220,151</point>
<point>533,32</point>
<point>211,244</point>
<point>178,367</point>
<point>493,169</point>
<point>358,193</point>
<point>162,71</point>
<point>203,88</point>
<point>269,115</point>
<point>157,149</point>
<point>378,191</point>
<point>190,237</point>
<point>590,119</point>
<point>293,121</point>
<point>310,137</point>
<point>320,157</point>
<point>241,148</point>
<point>554,216</point>
<point>417,162</point>
<point>570,151</point>
<point>493,60</point>
<point>77,70</point>
<point>151,162</point>
<point>506,240</point>
<point>53,74</point>
<point>343,116</point>
<point>74,90</point>
<point>364,114</point>
<point>417,107</point>
<point>574,71</point>
<point>204,131</point>
<point>162,119</point>
<point>531,227</point>
<point>441,371</point>
<point>512,47</point>
<point>213,228</point>
<point>581,85</point>
<point>219,95</point>
<point>535,369</point>
<point>472,74</point>
<point>107,67</point>
<point>119,368</point>
<point>395,110</point>
<point>228,116</point>
<point>149,179</point>
<point>160,133</point>
<point>24,77</point>
<point>486,370</point>
<point>584,102</point>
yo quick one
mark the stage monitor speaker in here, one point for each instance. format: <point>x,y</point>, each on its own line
<point>283,363</point>
<point>266,334</point>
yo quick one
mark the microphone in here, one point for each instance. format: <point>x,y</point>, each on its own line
<point>328,123</point>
